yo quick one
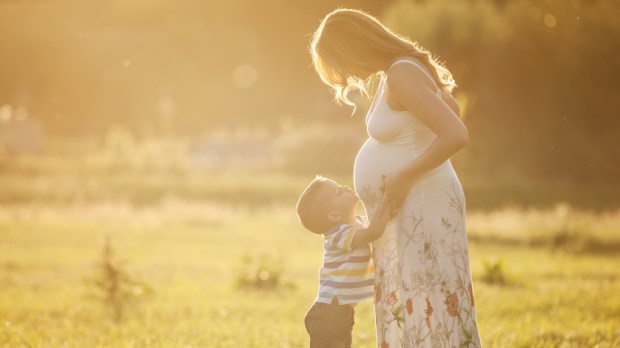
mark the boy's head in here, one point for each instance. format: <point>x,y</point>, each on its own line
<point>325,204</point>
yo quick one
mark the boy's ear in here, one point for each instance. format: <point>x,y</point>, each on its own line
<point>334,216</point>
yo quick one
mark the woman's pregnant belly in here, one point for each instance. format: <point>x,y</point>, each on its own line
<point>376,159</point>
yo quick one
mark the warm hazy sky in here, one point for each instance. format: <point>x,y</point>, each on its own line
<point>84,63</point>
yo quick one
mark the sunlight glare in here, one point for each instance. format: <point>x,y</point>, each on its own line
<point>550,20</point>
<point>166,106</point>
<point>245,76</point>
<point>5,113</point>
<point>263,275</point>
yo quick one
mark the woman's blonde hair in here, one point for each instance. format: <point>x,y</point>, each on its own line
<point>348,40</point>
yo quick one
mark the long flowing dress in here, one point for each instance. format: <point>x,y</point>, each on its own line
<point>423,286</point>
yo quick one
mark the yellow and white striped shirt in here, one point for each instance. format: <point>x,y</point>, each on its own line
<point>346,273</point>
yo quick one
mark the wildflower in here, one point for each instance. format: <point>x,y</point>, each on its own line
<point>452,304</point>
<point>392,298</point>
<point>409,305</point>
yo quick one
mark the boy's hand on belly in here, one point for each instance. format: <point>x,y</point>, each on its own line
<point>396,188</point>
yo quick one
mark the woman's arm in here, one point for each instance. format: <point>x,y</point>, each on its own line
<point>452,103</point>
<point>410,89</point>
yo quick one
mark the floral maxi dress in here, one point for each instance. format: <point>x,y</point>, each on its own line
<point>423,287</point>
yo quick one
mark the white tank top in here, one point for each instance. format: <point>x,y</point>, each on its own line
<point>387,125</point>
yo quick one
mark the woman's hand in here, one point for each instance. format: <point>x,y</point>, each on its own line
<point>396,188</point>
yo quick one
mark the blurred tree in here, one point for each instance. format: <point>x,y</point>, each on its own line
<point>540,78</point>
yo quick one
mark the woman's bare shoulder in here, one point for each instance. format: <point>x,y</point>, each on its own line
<point>409,76</point>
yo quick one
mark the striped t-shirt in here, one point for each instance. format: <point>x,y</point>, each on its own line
<point>346,274</point>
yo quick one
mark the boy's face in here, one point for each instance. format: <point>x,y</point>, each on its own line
<point>339,198</point>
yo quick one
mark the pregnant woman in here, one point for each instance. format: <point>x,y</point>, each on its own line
<point>423,287</point>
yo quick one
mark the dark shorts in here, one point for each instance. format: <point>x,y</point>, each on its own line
<point>330,325</point>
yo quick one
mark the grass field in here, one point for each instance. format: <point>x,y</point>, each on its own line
<point>545,273</point>
<point>560,268</point>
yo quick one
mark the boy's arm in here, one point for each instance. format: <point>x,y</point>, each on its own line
<point>375,229</point>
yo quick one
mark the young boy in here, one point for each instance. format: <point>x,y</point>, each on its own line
<point>346,276</point>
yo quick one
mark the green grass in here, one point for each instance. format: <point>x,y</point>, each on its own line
<point>190,253</point>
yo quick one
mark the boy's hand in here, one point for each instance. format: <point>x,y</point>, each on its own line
<point>381,215</point>
<point>376,227</point>
<point>396,188</point>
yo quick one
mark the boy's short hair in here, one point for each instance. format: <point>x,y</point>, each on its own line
<point>311,211</point>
